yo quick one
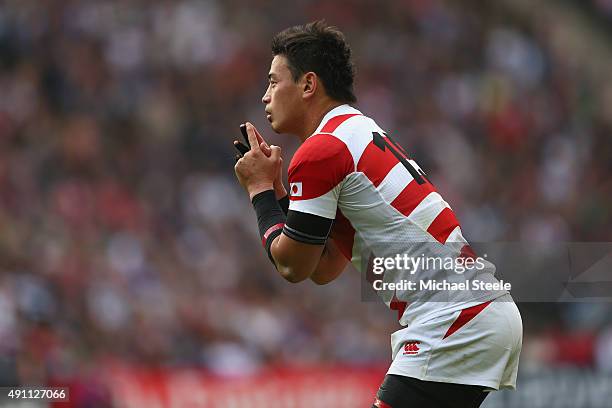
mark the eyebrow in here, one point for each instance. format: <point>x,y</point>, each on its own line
<point>271,76</point>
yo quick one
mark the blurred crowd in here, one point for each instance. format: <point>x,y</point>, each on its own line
<point>124,235</point>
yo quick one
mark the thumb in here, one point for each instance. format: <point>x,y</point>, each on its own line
<point>276,153</point>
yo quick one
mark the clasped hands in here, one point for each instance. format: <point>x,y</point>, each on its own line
<point>258,166</point>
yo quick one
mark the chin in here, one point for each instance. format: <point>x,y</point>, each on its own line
<point>275,127</point>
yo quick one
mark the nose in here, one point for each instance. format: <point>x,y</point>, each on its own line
<point>266,98</point>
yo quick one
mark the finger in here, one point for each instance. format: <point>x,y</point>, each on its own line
<point>265,149</point>
<point>252,137</point>
<point>241,147</point>
<point>263,145</point>
<point>260,137</point>
<point>243,130</point>
<point>276,153</point>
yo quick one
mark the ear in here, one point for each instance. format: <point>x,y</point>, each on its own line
<point>310,83</point>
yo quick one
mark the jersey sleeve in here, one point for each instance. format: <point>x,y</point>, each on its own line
<point>316,173</point>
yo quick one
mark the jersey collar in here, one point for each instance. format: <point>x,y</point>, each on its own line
<point>338,110</point>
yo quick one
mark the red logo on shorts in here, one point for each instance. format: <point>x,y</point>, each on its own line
<point>411,347</point>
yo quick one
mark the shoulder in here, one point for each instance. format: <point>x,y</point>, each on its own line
<point>337,144</point>
<point>325,151</point>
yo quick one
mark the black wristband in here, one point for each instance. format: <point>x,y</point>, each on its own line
<point>284,204</point>
<point>270,218</point>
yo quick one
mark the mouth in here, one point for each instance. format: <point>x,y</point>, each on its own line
<point>269,116</point>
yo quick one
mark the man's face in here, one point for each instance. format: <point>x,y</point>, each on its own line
<point>283,99</point>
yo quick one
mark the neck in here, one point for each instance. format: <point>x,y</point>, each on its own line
<point>314,116</point>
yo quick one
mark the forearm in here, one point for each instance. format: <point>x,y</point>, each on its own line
<point>331,264</point>
<point>295,251</point>
<point>279,190</point>
<point>270,219</point>
<point>294,260</point>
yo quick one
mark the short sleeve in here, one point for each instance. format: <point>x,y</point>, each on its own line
<point>316,173</point>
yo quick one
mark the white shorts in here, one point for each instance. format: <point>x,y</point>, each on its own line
<point>476,346</point>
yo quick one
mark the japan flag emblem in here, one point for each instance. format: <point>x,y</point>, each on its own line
<point>295,189</point>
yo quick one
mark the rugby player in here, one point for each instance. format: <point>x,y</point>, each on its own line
<point>355,193</point>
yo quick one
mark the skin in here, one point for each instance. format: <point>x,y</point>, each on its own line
<point>296,108</point>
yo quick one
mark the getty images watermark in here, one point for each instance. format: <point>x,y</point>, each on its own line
<point>531,271</point>
<point>405,267</point>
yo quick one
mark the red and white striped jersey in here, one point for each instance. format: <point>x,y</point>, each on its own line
<point>351,171</point>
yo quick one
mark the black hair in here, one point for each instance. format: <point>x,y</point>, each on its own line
<point>322,49</point>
